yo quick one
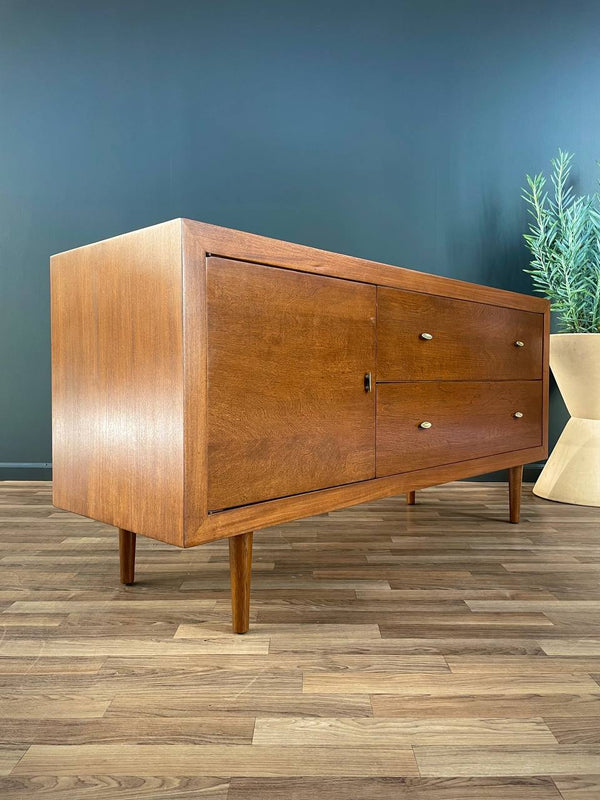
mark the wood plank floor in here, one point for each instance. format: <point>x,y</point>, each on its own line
<point>431,652</point>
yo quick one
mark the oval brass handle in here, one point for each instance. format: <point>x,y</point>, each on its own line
<point>518,414</point>
<point>425,424</point>
<point>519,343</point>
<point>426,336</point>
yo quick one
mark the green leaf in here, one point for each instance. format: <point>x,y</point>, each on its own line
<point>564,241</point>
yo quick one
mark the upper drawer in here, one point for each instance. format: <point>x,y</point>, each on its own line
<point>424,337</point>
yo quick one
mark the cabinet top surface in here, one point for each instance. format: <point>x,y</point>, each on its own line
<point>244,246</point>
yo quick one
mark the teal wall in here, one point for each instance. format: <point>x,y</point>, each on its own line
<point>399,130</point>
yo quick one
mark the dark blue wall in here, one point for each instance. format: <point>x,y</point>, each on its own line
<point>399,130</point>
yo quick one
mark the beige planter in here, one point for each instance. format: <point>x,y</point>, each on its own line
<point>572,473</point>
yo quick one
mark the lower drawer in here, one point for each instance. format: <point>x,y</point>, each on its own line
<point>467,419</point>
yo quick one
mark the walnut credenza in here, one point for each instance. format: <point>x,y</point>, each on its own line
<point>208,382</point>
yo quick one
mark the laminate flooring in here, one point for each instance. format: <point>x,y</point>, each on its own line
<point>427,652</point>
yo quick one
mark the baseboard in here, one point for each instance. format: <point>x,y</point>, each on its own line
<point>25,471</point>
<point>531,472</point>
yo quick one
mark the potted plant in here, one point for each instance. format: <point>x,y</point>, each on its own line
<point>564,240</point>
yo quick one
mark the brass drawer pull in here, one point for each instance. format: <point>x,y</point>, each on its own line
<point>518,414</point>
<point>426,336</point>
<point>368,382</point>
<point>519,343</point>
<point>425,424</point>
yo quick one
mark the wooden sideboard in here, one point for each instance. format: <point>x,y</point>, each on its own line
<point>209,382</point>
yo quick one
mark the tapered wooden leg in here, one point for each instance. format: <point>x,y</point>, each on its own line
<point>127,556</point>
<point>515,481</point>
<point>240,567</point>
<point>410,499</point>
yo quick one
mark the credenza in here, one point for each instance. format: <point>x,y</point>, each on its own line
<point>208,383</point>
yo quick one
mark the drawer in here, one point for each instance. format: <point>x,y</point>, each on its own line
<point>469,341</point>
<point>469,419</point>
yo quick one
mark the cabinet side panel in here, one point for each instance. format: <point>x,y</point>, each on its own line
<point>117,381</point>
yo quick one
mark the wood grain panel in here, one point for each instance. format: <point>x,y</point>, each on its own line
<point>524,760</point>
<point>571,646</point>
<point>118,787</point>
<point>193,265</point>
<point>117,381</point>
<point>9,758</point>
<point>84,646</point>
<point>470,341</point>
<point>275,512</point>
<point>216,760</point>
<point>369,732</point>
<point>287,408</point>
<point>536,704</point>
<point>446,685</point>
<point>60,706</point>
<point>400,789</point>
<point>533,665</point>
<point>287,255</point>
<point>187,703</point>
<point>585,731</point>
<point>226,729</point>
<point>468,419</point>
<point>579,787</point>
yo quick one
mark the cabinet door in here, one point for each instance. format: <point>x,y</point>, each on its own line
<point>424,337</point>
<point>463,420</point>
<point>287,406</point>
